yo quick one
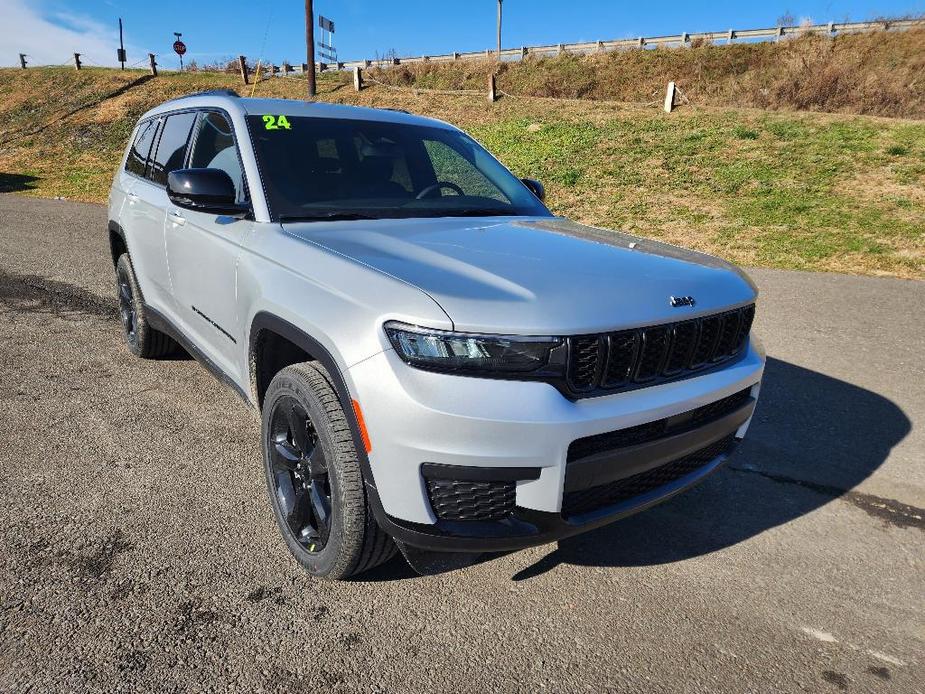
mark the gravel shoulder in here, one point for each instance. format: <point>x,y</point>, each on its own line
<point>139,553</point>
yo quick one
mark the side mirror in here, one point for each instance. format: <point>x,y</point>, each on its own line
<point>204,190</point>
<point>535,187</point>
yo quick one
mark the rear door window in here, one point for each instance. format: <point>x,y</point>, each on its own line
<point>171,149</point>
<point>138,154</point>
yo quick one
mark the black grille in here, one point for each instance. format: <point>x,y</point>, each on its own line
<point>650,431</point>
<point>462,500</point>
<point>619,360</point>
<point>612,493</point>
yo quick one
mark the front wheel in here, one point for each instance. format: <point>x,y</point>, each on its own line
<point>314,478</point>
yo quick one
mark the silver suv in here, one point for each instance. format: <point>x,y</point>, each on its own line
<point>441,365</point>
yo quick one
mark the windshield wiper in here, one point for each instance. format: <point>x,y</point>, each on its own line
<point>474,212</point>
<point>326,217</point>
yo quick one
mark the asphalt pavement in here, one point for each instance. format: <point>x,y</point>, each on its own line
<point>139,553</point>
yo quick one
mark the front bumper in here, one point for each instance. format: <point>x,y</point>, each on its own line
<point>417,417</point>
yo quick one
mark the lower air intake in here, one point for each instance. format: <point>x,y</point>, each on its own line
<point>464,500</point>
<point>618,491</point>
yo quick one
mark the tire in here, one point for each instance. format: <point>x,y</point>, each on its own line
<point>142,340</point>
<point>313,477</point>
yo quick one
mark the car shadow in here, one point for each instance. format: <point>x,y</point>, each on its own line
<point>16,183</point>
<point>813,438</point>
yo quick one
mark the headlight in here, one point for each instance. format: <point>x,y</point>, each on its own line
<point>451,351</point>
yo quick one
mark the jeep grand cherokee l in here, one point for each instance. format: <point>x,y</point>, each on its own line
<point>440,364</point>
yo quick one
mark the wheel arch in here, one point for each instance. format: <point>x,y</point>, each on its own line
<point>117,243</point>
<point>266,331</point>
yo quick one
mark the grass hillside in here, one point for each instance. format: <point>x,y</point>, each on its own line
<point>874,73</point>
<point>779,189</point>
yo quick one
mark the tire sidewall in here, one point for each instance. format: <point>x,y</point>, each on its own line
<point>335,558</point>
<point>125,270</point>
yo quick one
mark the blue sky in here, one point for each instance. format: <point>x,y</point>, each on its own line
<point>216,28</point>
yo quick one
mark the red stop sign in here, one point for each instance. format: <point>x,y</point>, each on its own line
<point>179,47</point>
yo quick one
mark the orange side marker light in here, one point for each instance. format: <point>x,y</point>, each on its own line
<point>362,424</point>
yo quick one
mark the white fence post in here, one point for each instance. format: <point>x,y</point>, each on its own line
<point>669,97</point>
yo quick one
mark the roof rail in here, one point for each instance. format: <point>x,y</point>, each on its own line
<point>210,92</point>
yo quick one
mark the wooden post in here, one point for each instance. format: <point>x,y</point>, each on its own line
<point>153,64</point>
<point>523,52</point>
<point>600,45</point>
<point>77,61</point>
<point>492,94</point>
<point>561,48</point>
<point>242,66</point>
<point>287,68</point>
<point>22,60</point>
<point>357,78</point>
<point>685,38</point>
<point>641,42</point>
<point>455,55</point>
<point>669,97</point>
<point>731,35</point>
<point>779,34</point>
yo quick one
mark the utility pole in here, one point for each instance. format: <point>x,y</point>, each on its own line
<point>499,29</point>
<point>310,47</point>
<point>120,54</point>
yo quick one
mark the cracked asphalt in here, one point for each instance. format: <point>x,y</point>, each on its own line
<point>139,554</point>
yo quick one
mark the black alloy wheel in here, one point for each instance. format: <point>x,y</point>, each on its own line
<point>127,310</point>
<point>300,474</point>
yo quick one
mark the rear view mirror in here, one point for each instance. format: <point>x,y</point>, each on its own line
<point>204,190</point>
<point>535,187</point>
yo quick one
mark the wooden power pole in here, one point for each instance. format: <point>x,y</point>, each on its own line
<point>499,29</point>
<point>310,47</point>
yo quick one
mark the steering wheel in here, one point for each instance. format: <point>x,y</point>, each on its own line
<point>439,185</point>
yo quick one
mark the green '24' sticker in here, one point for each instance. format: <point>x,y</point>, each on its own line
<point>276,122</point>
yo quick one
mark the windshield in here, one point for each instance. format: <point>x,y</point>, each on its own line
<point>325,168</point>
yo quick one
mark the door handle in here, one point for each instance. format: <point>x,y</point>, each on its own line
<point>176,218</point>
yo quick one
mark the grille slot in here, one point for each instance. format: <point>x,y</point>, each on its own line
<point>706,342</point>
<point>684,337</point>
<point>584,355</point>
<point>621,357</point>
<point>728,336</point>
<point>463,500</point>
<point>612,493</point>
<point>618,360</point>
<point>654,349</point>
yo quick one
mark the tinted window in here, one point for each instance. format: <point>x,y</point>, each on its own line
<point>319,168</point>
<point>138,154</point>
<point>215,149</point>
<point>171,149</point>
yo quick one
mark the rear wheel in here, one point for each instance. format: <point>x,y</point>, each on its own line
<point>142,340</point>
<point>314,478</point>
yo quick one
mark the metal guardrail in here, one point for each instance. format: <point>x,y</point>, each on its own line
<point>681,39</point>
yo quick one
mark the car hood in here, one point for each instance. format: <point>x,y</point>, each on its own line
<point>537,275</point>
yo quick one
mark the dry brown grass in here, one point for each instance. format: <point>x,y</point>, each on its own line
<point>875,73</point>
